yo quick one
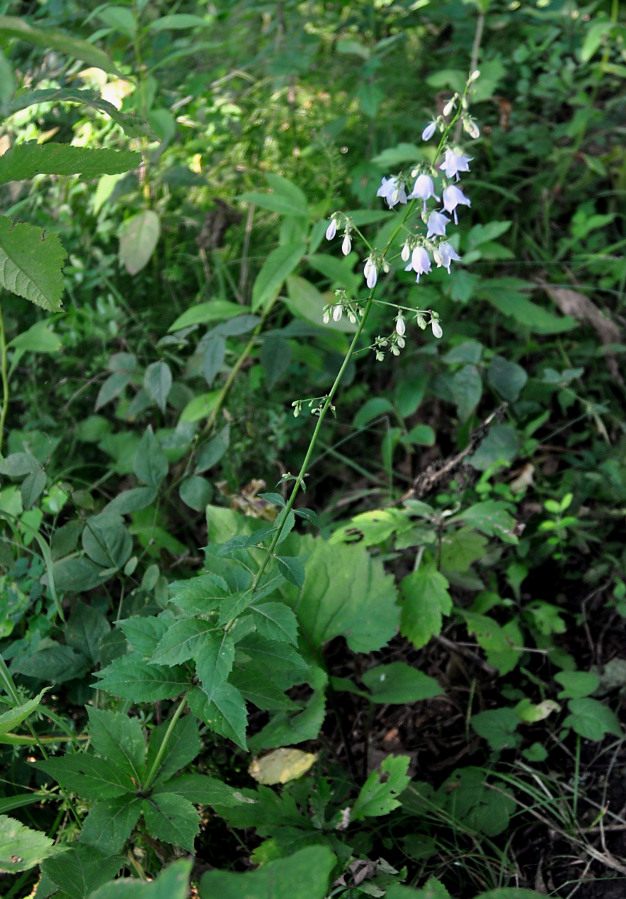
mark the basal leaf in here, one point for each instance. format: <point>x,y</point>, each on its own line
<point>303,875</point>
<point>592,719</point>
<point>31,263</point>
<point>172,883</point>
<point>345,593</point>
<point>23,162</point>
<point>181,747</point>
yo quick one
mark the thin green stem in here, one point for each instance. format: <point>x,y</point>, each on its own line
<point>168,733</point>
<point>4,376</point>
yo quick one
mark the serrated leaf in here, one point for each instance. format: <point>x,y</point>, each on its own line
<point>591,719</point>
<point>80,870</point>
<point>31,263</point>
<point>133,126</point>
<point>119,739</point>
<point>138,239</point>
<point>302,875</point>
<point>109,824</point>
<point>214,661</point>
<point>426,600</point>
<point>399,683</point>
<point>90,777</point>
<point>37,339</point>
<point>131,678</point>
<point>292,569</point>
<point>199,595</point>
<point>171,818</point>
<point>144,634</point>
<point>498,727</point>
<point>85,628</point>
<point>276,621</point>
<point>378,796</point>
<point>226,714</point>
<point>23,162</point>
<point>22,848</point>
<point>279,264</point>
<point>182,641</point>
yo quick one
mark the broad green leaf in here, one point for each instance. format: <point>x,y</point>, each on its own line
<point>182,641</point>
<point>510,893</point>
<point>226,713</point>
<point>106,541</point>
<point>213,357</point>
<point>277,267</point>
<point>345,593</point>
<point>577,684</point>
<point>133,500</point>
<point>138,239</point>
<point>459,549</point>
<point>507,295</point>
<point>214,661</point>
<point>303,875</point>
<point>119,739</point>
<point>31,263</point>
<point>289,729</point>
<point>203,313</point>
<point>305,300</point>
<point>157,383</point>
<point>133,125</point>
<point>9,720</point>
<point>84,630</point>
<point>468,799</point>
<point>491,517</point>
<point>109,823</point>
<point>200,406</point>
<point>118,18</point>
<point>276,621</point>
<point>23,162</point>
<point>131,678</point>
<point>211,453</point>
<point>283,205</point>
<point>399,683</point>
<point>275,356</point>
<point>178,22</point>
<point>498,727</point>
<point>379,794</point>
<point>426,601</point>
<point>467,390</point>
<point>112,387</point>
<point>500,444</point>
<point>53,664</point>
<point>506,377</point>
<point>196,492</point>
<point>171,818</point>
<point>255,686</point>
<point>22,848</point>
<point>172,883</point>
<point>51,39</point>
<point>592,719</point>
<point>150,464</point>
<point>80,870</point>
<point>89,776</point>
<point>32,487</point>
<point>284,187</point>
<point>432,889</point>
<point>375,408</point>
<point>37,339</point>
<point>144,634</point>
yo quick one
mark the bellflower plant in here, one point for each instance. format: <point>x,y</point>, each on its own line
<point>436,195</point>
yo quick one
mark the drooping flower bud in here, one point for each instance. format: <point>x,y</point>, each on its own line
<point>429,130</point>
<point>346,244</point>
<point>331,230</point>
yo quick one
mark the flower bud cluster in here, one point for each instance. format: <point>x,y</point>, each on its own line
<point>340,307</point>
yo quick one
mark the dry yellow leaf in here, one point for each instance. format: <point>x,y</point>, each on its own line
<point>281,765</point>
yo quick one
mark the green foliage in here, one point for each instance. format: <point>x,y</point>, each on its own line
<point>448,600</point>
